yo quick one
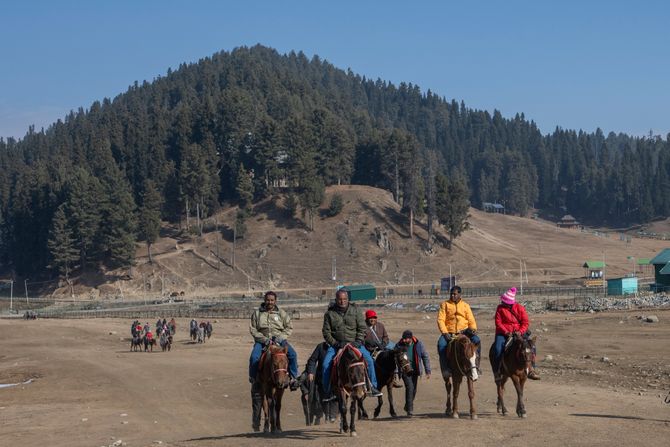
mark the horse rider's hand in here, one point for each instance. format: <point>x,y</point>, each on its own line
<point>427,376</point>
<point>278,340</point>
<point>310,377</point>
<point>267,342</point>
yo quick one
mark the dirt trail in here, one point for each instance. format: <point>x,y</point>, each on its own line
<point>88,384</point>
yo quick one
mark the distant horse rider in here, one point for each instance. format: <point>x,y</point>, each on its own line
<point>343,323</point>
<point>271,324</point>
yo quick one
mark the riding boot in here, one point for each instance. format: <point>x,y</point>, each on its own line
<point>532,375</point>
<point>396,381</point>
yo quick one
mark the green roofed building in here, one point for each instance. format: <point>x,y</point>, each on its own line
<point>661,263</point>
<point>594,273</point>
<point>361,292</point>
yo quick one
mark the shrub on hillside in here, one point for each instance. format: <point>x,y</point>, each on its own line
<point>336,205</point>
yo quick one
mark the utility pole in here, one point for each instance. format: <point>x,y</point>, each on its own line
<point>218,258</point>
<point>604,275</point>
<point>234,240</point>
<point>25,285</point>
<point>333,269</point>
<point>11,295</point>
<point>521,276</point>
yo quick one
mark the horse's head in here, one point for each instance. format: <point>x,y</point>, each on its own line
<point>523,347</point>
<point>402,361</point>
<point>353,367</point>
<point>468,353</point>
<point>279,365</point>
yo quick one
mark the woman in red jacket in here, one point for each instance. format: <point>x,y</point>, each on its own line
<point>510,317</point>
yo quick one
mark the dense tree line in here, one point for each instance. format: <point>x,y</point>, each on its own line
<point>239,126</point>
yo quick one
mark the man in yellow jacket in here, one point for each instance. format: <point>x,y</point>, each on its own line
<point>454,317</point>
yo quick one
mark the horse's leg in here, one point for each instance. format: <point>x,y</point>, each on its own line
<point>304,400</point>
<point>500,403</point>
<point>278,397</point>
<point>448,385</point>
<point>457,388</point>
<point>471,396</point>
<point>518,384</point>
<point>266,413</point>
<point>389,389</point>
<point>342,403</point>
<point>378,408</point>
<point>256,406</point>
<point>352,412</point>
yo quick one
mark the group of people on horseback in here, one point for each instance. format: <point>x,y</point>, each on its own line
<point>141,335</point>
<point>200,332</point>
<point>346,329</point>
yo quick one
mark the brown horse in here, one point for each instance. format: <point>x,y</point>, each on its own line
<point>350,380</point>
<point>273,379</point>
<point>516,362</point>
<point>461,357</point>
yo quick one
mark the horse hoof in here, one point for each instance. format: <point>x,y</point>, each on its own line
<point>353,433</point>
<point>256,428</point>
<point>455,416</point>
<point>474,417</point>
<point>394,415</point>
<point>523,415</point>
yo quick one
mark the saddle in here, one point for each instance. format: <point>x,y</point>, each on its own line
<point>334,377</point>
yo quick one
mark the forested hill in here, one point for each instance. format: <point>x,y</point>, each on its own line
<point>236,126</point>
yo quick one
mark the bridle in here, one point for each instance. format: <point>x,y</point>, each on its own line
<point>277,370</point>
<point>469,368</point>
<point>356,385</point>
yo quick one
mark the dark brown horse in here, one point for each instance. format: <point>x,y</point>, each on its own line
<point>149,343</point>
<point>516,362</point>
<point>136,343</point>
<point>350,382</point>
<point>273,379</point>
<point>386,363</point>
<point>461,357</point>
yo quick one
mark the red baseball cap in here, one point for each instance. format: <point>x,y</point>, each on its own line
<point>370,314</point>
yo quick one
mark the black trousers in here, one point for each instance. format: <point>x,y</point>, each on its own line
<point>411,383</point>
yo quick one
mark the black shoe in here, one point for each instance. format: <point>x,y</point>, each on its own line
<point>293,384</point>
<point>374,392</point>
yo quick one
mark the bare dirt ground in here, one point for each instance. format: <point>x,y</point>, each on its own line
<point>89,390</point>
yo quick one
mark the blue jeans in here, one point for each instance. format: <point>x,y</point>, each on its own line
<point>327,363</point>
<point>498,348</point>
<point>442,344</point>
<point>256,356</point>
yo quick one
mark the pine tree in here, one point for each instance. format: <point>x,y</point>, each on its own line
<point>62,244</point>
<point>452,205</point>
<point>150,215</point>
<point>245,189</point>
<point>311,196</point>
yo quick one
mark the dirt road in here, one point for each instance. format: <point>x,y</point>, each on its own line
<point>604,385</point>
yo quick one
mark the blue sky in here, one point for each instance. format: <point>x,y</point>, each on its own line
<point>574,64</point>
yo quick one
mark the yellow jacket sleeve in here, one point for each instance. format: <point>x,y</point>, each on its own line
<point>472,324</point>
<point>442,317</point>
